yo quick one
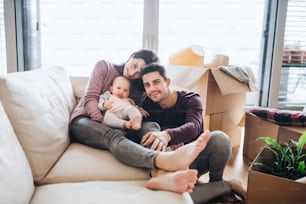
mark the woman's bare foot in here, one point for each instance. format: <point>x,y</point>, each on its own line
<point>181,158</point>
<point>178,182</point>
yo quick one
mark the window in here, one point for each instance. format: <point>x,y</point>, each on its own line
<point>76,34</point>
<point>293,71</point>
<point>3,68</point>
<point>282,79</point>
<point>97,29</point>
<point>232,28</point>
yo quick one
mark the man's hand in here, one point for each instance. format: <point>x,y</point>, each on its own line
<point>157,140</point>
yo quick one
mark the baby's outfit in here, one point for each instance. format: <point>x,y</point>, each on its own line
<point>122,110</point>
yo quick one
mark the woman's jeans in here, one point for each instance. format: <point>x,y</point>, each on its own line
<point>97,135</point>
<point>213,158</point>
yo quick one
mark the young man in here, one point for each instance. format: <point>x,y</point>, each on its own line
<point>179,114</point>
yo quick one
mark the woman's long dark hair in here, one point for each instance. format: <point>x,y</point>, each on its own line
<point>149,56</point>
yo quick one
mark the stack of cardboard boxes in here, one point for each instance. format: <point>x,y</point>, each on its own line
<point>223,97</point>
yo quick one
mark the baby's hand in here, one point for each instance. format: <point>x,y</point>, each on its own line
<point>108,104</point>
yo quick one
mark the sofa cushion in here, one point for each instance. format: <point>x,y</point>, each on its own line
<point>91,164</point>
<point>38,104</point>
<point>281,117</point>
<point>114,192</point>
<point>16,181</point>
<point>79,85</point>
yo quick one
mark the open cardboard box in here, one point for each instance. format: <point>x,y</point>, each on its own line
<point>266,188</point>
<point>230,122</point>
<point>256,127</point>
<point>219,91</point>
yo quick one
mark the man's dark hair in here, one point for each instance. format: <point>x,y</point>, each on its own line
<point>154,67</point>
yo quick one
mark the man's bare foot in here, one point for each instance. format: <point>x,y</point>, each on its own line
<point>178,182</point>
<point>237,188</point>
<point>136,123</point>
<point>181,158</point>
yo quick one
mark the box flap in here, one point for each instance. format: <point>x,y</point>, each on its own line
<point>286,133</point>
<point>237,116</point>
<point>242,121</point>
<point>228,84</point>
<point>184,76</point>
<point>299,130</point>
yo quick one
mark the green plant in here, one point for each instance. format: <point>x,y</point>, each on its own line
<point>289,158</point>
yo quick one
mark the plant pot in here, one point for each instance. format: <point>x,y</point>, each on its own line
<point>267,188</point>
<point>286,56</point>
<point>297,56</point>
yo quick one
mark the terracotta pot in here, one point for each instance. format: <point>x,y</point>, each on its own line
<point>297,56</point>
<point>304,57</point>
<point>286,56</point>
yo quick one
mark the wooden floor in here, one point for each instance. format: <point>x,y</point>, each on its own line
<point>237,167</point>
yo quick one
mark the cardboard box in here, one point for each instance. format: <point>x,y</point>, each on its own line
<point>266,188</point>
<point>219,91</point>
<point>286,133</point>
<point>230,122</point>
<point>256,127</point>
<point>206,121</point>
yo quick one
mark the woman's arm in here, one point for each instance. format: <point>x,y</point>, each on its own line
<point>99,82</point>
<point>102,99</point>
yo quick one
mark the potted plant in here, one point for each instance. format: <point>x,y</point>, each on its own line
<point>276,172</point>
<point>289,158</point>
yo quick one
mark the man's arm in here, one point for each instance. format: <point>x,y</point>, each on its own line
<point>192,126</point>
<point>180,124</point>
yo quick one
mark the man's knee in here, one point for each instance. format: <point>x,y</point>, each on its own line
<point>220,142</point>
<point>220,138</point>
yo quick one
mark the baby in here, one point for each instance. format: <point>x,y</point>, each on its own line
<point>119,110</point>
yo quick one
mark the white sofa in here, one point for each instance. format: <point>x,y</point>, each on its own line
<point>38,162</point>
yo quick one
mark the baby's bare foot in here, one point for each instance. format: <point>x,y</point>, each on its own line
<point>127,124</point>
<point>136,123</point>
<point>181,158</point>
<point>178,182</point>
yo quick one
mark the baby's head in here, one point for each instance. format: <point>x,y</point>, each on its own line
<point>121,87</point>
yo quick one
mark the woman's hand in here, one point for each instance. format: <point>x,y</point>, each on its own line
<point>156,140</point>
